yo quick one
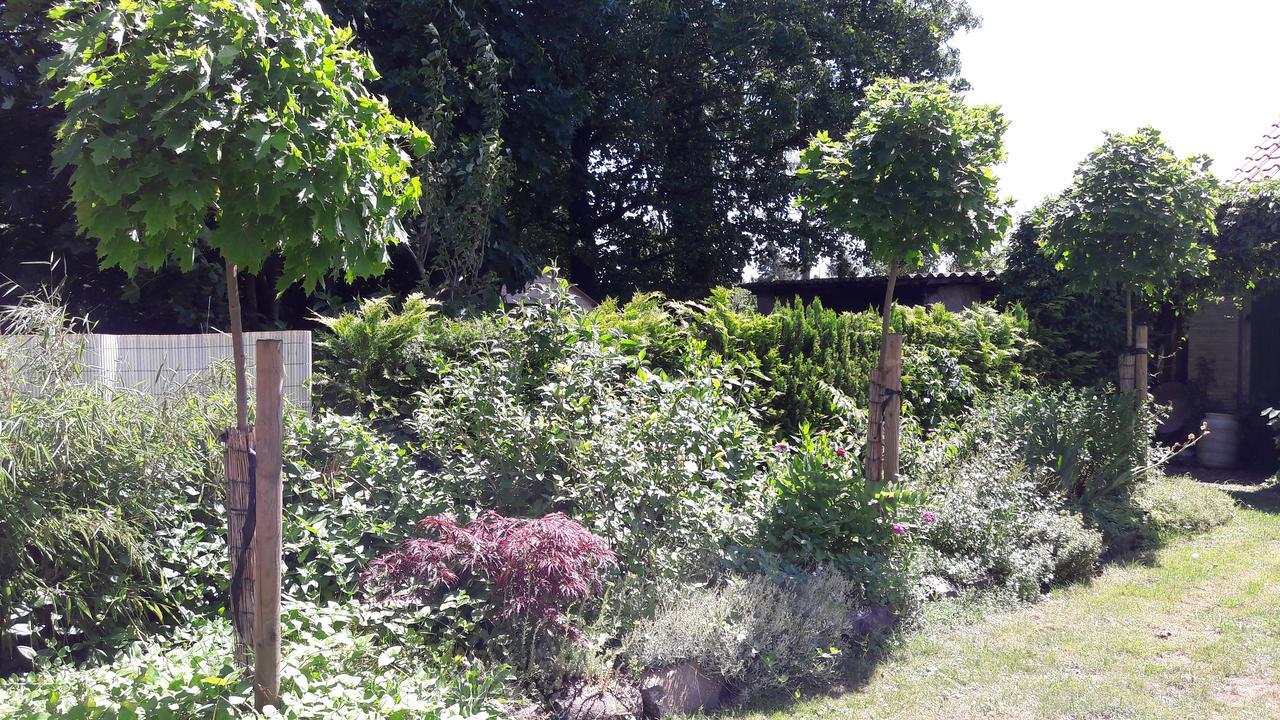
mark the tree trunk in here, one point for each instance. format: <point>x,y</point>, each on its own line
<point>237,346</point>
<point>1128,319</point>
<point>584,257</point>
<point>887,310</point>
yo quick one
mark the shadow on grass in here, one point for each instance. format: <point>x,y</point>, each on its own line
<point>854,677</point>
<point>1260,498</point>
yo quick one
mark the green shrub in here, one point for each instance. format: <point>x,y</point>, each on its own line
<point>371,357</point>
<point>350,495</point>
<point>822,512</point>
<point>545,416</point>
<point>814,360</point>
<point>755,633</point>
<point>340,661</point>
<point>1077,444</point>
<point>1180,504</point>
<point>648,327</point>
<point>990,526</point>
<point>104,494</point>
<point>372,360</point>
<point>1161,507</point>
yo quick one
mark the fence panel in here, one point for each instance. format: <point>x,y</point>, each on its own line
<point>150,363</point>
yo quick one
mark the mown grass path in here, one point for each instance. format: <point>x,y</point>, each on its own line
<point>1190,631</point>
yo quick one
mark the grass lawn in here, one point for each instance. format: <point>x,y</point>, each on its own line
<point>1189,631</point>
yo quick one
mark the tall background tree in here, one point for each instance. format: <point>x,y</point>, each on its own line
<point>636,144</point>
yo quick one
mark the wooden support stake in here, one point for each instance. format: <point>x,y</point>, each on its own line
<point>872,459</point>
<point>269,432</point>
<point>891,377</point>
<point>240,525</point>
<point>1140,369</point>
<point>884,414</point>
<point>1126,371</point>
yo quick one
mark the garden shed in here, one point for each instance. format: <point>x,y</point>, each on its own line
<point>1233,352</point>
<point>954,290</point>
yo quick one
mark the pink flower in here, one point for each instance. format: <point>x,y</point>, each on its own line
<point>840,452</point>
<point>928,516</point>
<point>899,529</point>
<point>781,447</point>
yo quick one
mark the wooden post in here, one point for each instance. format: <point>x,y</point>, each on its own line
<point>884,414</point>
<point>1140,369</point>
<point>891,378</point>
<point>872,459</point>
<point>240,525</point>
<point>269,434</point>
<point>1126,370</point>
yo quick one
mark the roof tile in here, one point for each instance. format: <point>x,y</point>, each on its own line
<point>1264,162</point>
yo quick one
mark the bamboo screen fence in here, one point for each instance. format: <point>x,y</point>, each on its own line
<point>151,363</point>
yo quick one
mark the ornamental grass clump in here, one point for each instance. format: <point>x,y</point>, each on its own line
<point>533,568</point>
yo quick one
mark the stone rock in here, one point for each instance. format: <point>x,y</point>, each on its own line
<point>598,699</point>
<point>1122,544</point>
<point>680,690</point>
<point>938,587</point>
<point>531,712</point>
<point>871,622</point>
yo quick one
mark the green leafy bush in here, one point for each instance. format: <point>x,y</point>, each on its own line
<point>1079,444</point>
<point>544,416</point>
<point>990,526</point>
<point>805,362</point>
<point>340,661</point>
<point>822,512</point>
<point>372,360</point>
<point>350,495</point>
<point>814,360</point>
<point>755,633</point>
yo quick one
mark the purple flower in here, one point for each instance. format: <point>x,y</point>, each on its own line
<point>840,452</point>
<point>781,447</point>
<point>928,516</point>
<point>899,529</point>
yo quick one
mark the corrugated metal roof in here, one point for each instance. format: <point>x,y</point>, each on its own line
<point>928,278</point>
<point>1264,162</point>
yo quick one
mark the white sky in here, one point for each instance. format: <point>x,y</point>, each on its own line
<point>1206,73</point>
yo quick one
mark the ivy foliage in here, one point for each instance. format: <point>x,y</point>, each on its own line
<point>240,121</point>
<point>1133,218</point>
<point>913,178</point>
<point>1247,246</point>
<point>1076,334</point>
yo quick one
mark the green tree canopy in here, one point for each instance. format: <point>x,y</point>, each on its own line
<point>1133,219</point>
<point>244,123</point>
<point>913,179</point>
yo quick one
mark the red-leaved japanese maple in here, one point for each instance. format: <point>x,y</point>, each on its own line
<point>534,567</point>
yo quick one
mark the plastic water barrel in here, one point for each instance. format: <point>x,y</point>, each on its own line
<point>1219,449</point>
